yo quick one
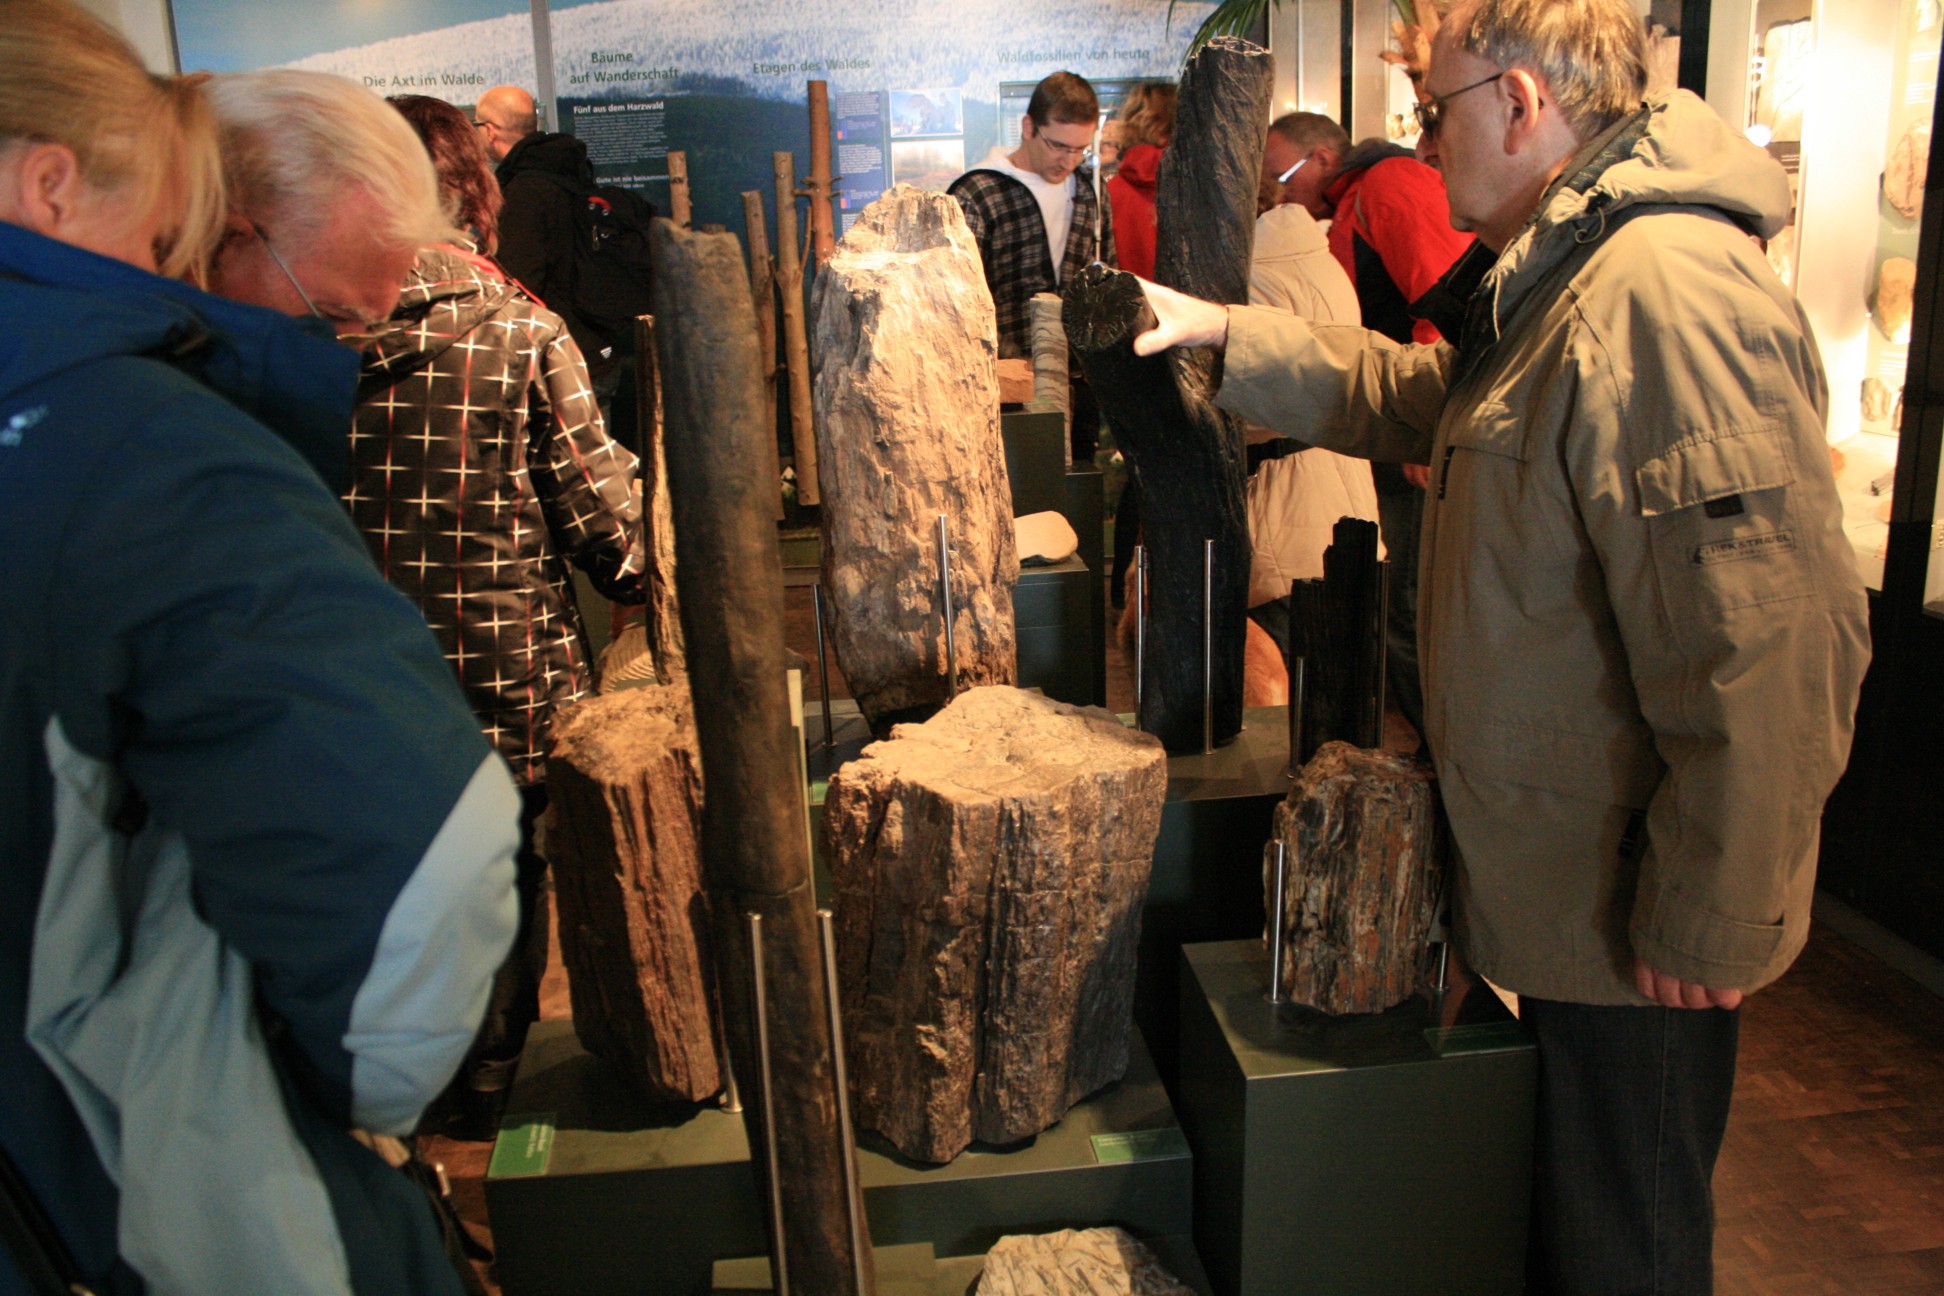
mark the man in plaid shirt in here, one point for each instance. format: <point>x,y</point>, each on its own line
<point>1039,222</point>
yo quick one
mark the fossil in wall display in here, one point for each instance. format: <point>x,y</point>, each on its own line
<point>1904,174</point>
<point>1895,296</point>
<point>1877,400</point>
<point>990,867</point>
<point>908,428</point>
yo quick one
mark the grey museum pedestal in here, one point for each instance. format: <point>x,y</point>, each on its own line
<point>592,1190</point>
<point>1379,1154</point>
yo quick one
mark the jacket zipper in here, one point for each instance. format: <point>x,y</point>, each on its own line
<point>1444,470</point>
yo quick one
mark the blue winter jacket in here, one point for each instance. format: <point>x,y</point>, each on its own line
<point>256,854</point>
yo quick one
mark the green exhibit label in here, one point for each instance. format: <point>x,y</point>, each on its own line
<point>523,1150</point>
<point>1139,1145</point>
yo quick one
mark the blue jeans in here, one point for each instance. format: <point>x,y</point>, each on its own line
<point>1633,1103</point>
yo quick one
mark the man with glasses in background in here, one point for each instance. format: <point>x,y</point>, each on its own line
<point>1038,221</point>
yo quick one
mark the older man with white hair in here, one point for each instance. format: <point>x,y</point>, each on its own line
<point>331,197</point>
<point>1642,631</point>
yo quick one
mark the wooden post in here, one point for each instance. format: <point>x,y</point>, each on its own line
<point>823,238</point>
<point>796,343</point>
<point>762,295</point>
<point>1188,454</point>
<point>756,855</point>
<point>679,210</point>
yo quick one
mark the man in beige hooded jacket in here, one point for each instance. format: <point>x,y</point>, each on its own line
<point>1642,633</point>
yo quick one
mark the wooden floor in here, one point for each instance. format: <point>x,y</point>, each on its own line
<point>1831,1182</point>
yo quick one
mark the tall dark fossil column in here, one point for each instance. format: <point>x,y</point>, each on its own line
<point>756,855</point>
<point>1187,454</point>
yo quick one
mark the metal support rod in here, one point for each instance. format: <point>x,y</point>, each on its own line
<point>1208,645</point>
<point>823,671</point>
<point>1383,649</point>
<point>1276,920</point>
<point>852,1193</point>
<point>1140,630</point>
<point>945,603</point>
<point>731,1091</point>
<point>1444,965</point>
<point>1297,675</point>
<point>760,984</point>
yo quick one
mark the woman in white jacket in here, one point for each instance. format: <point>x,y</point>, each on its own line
<point>1295,500</point>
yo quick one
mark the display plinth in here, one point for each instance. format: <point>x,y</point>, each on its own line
<point>1054,633</point>
<point>590,1188</point>
<point>1373,1154</point>
<point>1207,879</point>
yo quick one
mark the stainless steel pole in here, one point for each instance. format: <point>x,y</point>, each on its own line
<point>1277,922</point>
<point>1140,631</point>
<point>760,984</point>
<point>823,672</point>
<point>1208,645</point>
<point>852,1193</point>
<point>945,602</point>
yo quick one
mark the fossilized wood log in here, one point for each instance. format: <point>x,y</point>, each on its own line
<point>625,791</point>
<point>796,344</point>
<point>762,295</point>
<point>990,867</point>
<point>1360,833</point>
<point>663,617</point>
<point>1052,381</point>
<point>823,237</point>
<point>1187,455</point>
<point>907,415</point>
<point>755,855</point>
<point>1336,625</point>
<point>1075,1262</point>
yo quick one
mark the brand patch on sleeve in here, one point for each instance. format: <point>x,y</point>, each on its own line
<point>1749,546</point>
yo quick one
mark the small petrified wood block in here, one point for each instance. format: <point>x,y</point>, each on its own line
<point>625,788</point>
<point>908,427</point>
<point>1075,1262</point>
<point>1360,829</point>
<point>990,868</point>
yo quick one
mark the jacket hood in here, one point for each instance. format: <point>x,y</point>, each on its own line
<point>1362,157</point>
<point>1288,231</point>
<point>1140,165</point>
<point>288,374</point>
<point>561,155</point>
<point>449,293</point>
<point>1674,151</point>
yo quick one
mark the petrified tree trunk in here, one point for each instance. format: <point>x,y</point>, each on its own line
<point>1187,455</point>
<point>823,237</point>
<point>796,346</point>
<point>625,787</point>
<point>755,856</point>
<point>1336,625</point>
<point>1075,1262</point>
<point>663,613</point>
<point>1360,833</point>
<point>990,868</point>
<point>1052,385</point>
<point>909,423</point>
<point>762,295</point>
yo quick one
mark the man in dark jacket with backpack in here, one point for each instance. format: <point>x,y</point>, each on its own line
<point>578,246</point>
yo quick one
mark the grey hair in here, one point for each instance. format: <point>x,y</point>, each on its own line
<point>1592,53</point>
<point>297,144</point>
<point>1307,130</point>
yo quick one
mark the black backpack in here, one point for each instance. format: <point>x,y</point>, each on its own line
<point>611,267</point>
